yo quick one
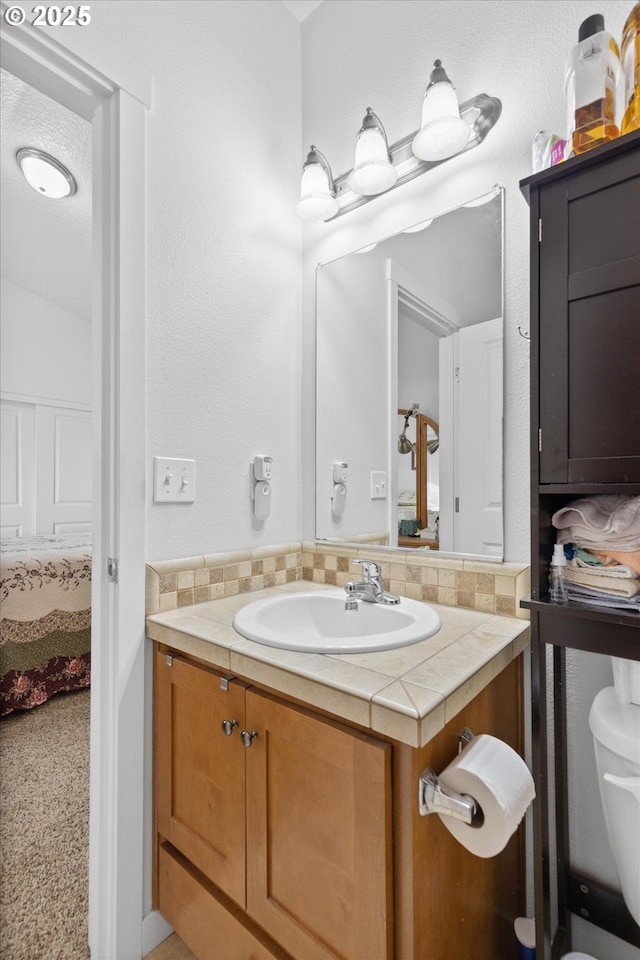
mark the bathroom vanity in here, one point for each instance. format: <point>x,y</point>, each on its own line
<point>286,791</point>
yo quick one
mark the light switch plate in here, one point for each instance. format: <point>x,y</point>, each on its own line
<point>378,484</point>
<point>174,480</point>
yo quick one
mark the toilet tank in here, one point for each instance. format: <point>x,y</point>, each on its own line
<point>616,732</point>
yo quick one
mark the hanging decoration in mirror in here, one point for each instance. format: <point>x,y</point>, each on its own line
<point>446,130</point>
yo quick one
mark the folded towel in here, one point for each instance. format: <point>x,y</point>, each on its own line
<point>599,599</point>
<point>606,521</point>
<point>614,586</point>
<point>630,559</point>
<point>586,558</point>
<point>618,571</point>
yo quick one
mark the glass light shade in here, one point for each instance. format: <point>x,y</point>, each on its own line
<point>316,202</point>
<point>46,174</point>
<point>443,133</point>
<point>372,172</point>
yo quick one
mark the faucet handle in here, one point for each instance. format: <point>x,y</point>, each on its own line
<point>370,570</point>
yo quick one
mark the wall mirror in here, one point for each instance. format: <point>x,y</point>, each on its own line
<point>409,387</point>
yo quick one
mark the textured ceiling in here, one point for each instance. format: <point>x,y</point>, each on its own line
<point>46,244</point>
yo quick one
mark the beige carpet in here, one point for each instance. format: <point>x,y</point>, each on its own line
<point>44,818</point>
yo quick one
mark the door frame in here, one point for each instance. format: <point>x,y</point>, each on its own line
<point>93,78</point>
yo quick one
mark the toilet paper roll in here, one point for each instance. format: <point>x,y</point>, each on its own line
<point>488,770</point>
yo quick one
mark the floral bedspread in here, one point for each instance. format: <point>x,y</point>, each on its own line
<point>45,624</point>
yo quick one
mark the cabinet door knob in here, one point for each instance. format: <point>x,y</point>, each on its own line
<point>228,726</point>
<point>248,738</point>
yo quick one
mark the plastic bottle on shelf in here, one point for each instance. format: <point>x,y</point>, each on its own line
<point>591,87</point>
<point>557,585</point>
<point>630,57</point>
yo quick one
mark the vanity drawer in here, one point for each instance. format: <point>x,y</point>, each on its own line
<point>201,916</point>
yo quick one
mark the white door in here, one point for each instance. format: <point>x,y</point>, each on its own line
<point>479,517</point>
<point>64,468</point>
<point>87,74</point>
<point>17,466</point>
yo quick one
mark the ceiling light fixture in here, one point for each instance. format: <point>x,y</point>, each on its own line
<point>442,133</point>
<point>447,129</point>
<point>45,174</point>
<point>373,172</point>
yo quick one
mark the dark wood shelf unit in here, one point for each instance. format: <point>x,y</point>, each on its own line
<point>585,441</point>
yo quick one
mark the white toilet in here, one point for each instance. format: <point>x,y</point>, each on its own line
<point>615,725</point>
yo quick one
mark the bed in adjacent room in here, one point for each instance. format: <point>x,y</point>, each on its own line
<point>45,624</point>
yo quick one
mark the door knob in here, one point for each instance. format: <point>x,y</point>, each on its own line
<point>248,738</point>
<point>228,726</point>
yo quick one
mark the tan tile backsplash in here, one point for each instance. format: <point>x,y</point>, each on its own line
<point>181,582</point>
<point>451,581</point>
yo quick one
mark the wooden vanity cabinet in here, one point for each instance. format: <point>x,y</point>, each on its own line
<point>308,844</point>
<point>201,807</point>
<point>311,797</point>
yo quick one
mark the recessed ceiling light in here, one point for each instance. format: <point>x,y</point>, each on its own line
<point>46,174</point>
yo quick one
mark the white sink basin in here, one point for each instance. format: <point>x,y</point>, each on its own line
<point>319,623</point>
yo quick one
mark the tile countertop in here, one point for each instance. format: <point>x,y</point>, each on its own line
<point>407,694</point>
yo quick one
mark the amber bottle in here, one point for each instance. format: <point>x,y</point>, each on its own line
<point>591,85</point>
<point>630,56</point>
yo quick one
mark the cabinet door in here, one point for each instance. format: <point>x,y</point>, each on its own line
<point>318,834</point>
<point>200,786</point>
<point>589,325</point>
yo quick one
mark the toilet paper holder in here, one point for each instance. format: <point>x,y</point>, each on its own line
<point>433,797</point>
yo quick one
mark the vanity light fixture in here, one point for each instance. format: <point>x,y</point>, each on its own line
<point>373,171</point>
<point>317,189</point>
<point>447,130</point>
<point>442,133</point>
<point>45,174</point>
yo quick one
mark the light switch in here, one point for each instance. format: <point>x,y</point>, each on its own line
<point>174,480</point>
<point>378,484</point>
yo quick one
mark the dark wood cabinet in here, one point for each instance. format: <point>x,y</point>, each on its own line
<point>588,273</point>
<point>585,441</point>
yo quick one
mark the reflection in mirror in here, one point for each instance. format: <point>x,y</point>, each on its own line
<point>409,357</point>
<point>418,500</point>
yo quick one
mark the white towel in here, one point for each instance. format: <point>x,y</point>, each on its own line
<point>616,570</point>
<point>616,587</point>
<point>608,522</point>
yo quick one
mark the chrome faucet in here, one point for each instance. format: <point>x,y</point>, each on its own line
<point>370,588</point>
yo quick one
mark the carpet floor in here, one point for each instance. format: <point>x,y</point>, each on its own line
<point>44,830</point>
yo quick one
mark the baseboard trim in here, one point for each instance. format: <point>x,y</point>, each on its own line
<point>155,929</point>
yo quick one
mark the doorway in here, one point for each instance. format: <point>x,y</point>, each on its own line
<point>94,79</point>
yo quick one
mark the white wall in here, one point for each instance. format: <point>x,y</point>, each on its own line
<point>46,351</point>
<point>223,260</point>
<point>378,53</point>
<point>224,351</point>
